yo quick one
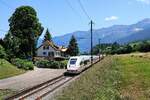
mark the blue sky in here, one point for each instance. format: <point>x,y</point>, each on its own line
<point>58,16</point>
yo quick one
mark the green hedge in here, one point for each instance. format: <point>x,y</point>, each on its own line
<point>51,64</point>
<point>23,64</point>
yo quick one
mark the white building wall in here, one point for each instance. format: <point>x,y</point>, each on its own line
<point>57,54</point>
<point>41,50</point>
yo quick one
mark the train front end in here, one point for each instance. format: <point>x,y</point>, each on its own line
<point>73,66</point>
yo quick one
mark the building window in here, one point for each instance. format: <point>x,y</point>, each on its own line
<point>58,53</point>
<point>51,54</point>
<point>47,48</point>
<point>43,47</point>
<point>44,53</point>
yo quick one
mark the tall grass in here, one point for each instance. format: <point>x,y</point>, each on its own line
<point>99,83</point>
<point>124,77</point>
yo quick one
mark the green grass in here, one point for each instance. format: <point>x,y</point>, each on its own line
<point>100,82</point>
<point>135,73</point>
<point>124,77</point>
<point>8,70</point>
<point>5,93</point>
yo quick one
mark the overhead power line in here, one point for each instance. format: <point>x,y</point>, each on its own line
<point>83,9</point>
<point>69,4</point>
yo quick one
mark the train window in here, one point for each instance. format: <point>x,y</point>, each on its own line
<point>73,61</point>
<point>81,63</point>
<point>85,62</point>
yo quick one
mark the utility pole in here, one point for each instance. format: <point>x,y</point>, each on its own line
<point>91,23</point>
<point>99,40</point>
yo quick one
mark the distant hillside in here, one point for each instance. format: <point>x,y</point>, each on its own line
<point>142,35</point>
<point>119,33</point>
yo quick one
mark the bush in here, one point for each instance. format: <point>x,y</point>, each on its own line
<point>64,63</point>
<point>51,64</point>
<point>55,64</point>
<point>23,64</point>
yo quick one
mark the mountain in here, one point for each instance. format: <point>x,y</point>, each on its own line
<point>119,33</point>
<point>142,35</point>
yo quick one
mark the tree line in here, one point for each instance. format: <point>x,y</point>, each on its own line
<point>116,48</point>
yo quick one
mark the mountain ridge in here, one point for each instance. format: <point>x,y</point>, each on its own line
<point>107,34</point>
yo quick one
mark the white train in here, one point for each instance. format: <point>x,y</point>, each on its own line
<point>77,64</point>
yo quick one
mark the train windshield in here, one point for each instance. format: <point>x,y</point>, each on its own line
<point>73,61</point>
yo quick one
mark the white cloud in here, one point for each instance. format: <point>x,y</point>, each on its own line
<point>111,18</point>
<point>144,1</point>
<point>137,29</point>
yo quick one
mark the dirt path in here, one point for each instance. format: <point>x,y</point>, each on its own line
<point>30,78</point>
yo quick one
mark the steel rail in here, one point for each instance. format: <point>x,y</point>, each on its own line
<point>25,91</point>
<point>41,88</point>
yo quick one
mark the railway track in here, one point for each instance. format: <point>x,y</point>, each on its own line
<point>39,91</point>
<point>46,89</point>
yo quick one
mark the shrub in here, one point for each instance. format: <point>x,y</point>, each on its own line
<point>23,64</point>
<point>64,63</point>
<point>50,64</point>
<point>55,64</point>
<point>42,63</point>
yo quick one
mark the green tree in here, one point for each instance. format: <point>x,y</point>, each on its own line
<point>47,36</point>
<point>144,47</point>
<point>114,47</point>
<point>1,42</point>
<point>25,28</point>
<point>2,52</point>
<point>73,49</point>
<point>128,48</point>
<point>124,49</point>
<point>104,48</point>
<point>11,45</point>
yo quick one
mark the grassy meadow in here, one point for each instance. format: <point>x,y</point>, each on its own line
<point>8,70</point>
<point>123,77</point>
